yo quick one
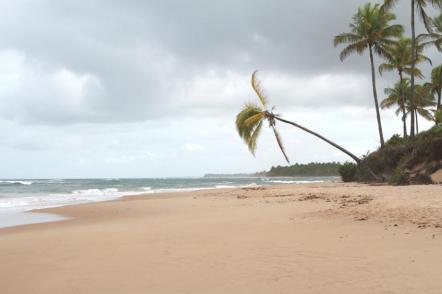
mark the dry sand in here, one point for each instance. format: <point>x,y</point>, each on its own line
<point>317,238</point>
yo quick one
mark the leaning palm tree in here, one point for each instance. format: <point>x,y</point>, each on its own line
<point>250,120</point>
<point>419,6</point>
<point>399,59</point>
<point>370,30</point>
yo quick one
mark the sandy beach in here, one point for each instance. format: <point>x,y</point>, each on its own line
<point>314,238</point>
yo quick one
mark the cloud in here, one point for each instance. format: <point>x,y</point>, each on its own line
<point>128,87</point>
<point>71,64</point>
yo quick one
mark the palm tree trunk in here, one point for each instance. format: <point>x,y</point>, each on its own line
<point>354,157</point>
<point>413,65</point>
<point>439,89</point>
<point>417,123</point>
<point>375,95</point>
<point>401,93</point>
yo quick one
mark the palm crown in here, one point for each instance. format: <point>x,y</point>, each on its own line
<point>370,28</point>
<point>401,93</point>
<point>250,120</point>
<point>399,58</point>
<point>435,36</point>
<point>420,6</point>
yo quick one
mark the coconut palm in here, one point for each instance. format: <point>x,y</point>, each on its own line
<point>423,99</point>
<point>398,96</point>
<point>419,6</point>
<point>251,118</point>
<point>434,37</point>
<point>399,59</point>
<point>370,30</point>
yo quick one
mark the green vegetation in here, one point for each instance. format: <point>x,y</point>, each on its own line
<point>348,172</point>
<point>406,160</point>
<point>399,59</point>
<point>420,7</point>
<point>311,169</point>
<point>412,157</point>
<point>250,119</point>
<point>370,30</point>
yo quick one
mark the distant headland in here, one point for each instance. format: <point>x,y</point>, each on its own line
<point>313,169</point>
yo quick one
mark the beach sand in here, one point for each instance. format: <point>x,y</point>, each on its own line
<point>314,238</point>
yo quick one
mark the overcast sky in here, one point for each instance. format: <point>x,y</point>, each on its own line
<point>151,88</point>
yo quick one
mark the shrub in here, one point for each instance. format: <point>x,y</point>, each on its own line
<point>438,117</point>
<point>399,178</point>
<point>396,140</point>
<point>348,172</point>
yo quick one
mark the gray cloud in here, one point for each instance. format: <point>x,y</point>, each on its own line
<point>163,75</point>
<point>138,55</point>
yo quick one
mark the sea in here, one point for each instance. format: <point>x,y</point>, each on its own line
<point>18,197</point>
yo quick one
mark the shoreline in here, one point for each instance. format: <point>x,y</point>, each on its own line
<point>17,216</point>
<point>275,239</point>
<point>63,213</point>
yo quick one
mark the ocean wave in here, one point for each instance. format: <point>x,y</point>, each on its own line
<point>225,187</point>
<point>252,185</point>
<point>53,200</point>
<point>13,182</point>
<point>100,192</point>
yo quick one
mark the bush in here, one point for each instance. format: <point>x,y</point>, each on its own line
<point>396,140</point>
<point>348,172</point>
<point>438,117</point>
<point>399,178</point>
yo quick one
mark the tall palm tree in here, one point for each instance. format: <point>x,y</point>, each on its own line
<point>398,96</point>
<point>419,6</point>
<point>251,118</point>
<point>433,37</point>
<point>399,58</point>
<point>423,99</point>
<point>370,30</point>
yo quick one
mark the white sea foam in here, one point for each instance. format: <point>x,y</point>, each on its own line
<point>252,185</point>
<point>225,187</point>
<point>97,192</point>
<point>53,200</point>
<point>11,182</point>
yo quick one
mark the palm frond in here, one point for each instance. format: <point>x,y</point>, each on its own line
<point>425,113</point>
<point>254,137</point>
<point>352,48</point>
<point>388,4</point>
<point>248,124</point>
<point>386,67</point>
<point>279,140</point>
<point>346,38</point>
<point>257,88</point>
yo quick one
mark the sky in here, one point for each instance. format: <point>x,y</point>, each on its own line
<point>151,88</point>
